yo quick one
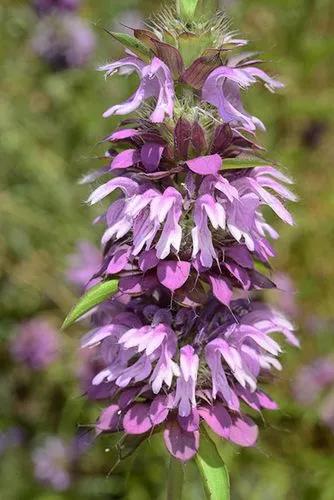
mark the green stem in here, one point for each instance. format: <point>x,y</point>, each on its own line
<point>175,480</point>
<point>187,9</point>
<point>207,7</point>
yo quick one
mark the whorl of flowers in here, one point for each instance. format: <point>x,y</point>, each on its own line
<point>185,340</point>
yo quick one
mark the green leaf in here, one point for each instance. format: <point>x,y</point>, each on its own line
<point>230,163</point>
<point>213,470</point>
<point>175,479</point>
<point>92,298</point>
<point>132,43</point>
<point>186,8</point>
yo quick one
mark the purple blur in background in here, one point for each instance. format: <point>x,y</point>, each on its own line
<point>52,463</point>
<point>314,384</point>
<point>63,41</point>
<point>45,7</point>
<point>286,296</point>
<point>312,379</point>
<point>55,458</point>
<point>127,21</point>
<point>36,344</point>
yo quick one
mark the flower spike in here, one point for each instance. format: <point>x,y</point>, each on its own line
<point>187,339</point>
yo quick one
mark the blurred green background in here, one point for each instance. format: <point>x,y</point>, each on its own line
<point>50,126</point>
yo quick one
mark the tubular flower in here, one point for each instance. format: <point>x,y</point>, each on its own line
<point>156,81</point>
<point>186,339</point>
<point>186,365</point>
<point>222,89</point>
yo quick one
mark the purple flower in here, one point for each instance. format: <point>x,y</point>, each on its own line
<point>155,81</point>
<point>63,41</point>
<point>185,338</point>
<point>153,223</point>
<point>45,7</point>
<point>146,212</point>
<point>207,378</point>
<point>36,344</point>
<point>90,363</point>
<point>83,264</point>
<point>222,90</point>
<point>185,393</point>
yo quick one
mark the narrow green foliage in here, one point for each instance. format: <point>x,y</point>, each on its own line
<point>132,43</point>
<point>212,469</point>
<point>92,298</point>
<point>232,163</point>
<point>175,479</point>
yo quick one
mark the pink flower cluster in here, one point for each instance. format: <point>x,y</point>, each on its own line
<point>186,340</point>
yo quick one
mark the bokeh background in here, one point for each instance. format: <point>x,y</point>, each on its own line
<point>50,126</point>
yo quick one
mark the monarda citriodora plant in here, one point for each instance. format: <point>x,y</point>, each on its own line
<point>182,337</point>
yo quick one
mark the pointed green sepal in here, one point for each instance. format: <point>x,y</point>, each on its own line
<point>132,43</point>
